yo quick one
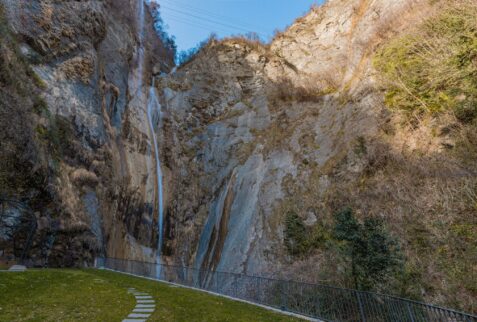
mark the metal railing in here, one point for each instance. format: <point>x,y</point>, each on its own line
<point>318,301</point>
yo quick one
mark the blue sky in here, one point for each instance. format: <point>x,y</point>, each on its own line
<point>192,21</point>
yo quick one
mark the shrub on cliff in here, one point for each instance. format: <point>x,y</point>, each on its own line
<point>295,235</point>
<point>186,56</point>
<point>168,40</point>
<point>373,255</point>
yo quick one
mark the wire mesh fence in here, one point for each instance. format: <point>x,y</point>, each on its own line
<point>318,301</point>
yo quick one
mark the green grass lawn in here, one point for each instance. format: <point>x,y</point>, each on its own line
<point>96,295</point>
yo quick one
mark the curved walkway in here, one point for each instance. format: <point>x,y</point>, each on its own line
<point>145,306</point>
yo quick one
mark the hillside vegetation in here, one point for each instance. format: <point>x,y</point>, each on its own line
<point>419,178</point>
<point>430,75</point>
<point>434,69</point>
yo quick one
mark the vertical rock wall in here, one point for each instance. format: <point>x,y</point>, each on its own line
<point>83,53</point>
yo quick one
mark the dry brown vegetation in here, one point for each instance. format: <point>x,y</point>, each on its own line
<point>428,202</point>
<point>431,70</point>
<point>249,41</point>
<point>420,175</point>
<point>82,177</point>
<point>310,89</point>
<point>45,18</point>
<point>79,67</point>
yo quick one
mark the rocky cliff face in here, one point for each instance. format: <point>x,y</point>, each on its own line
<point>93,125</point>
<point>256,125</point>
<point>256,132</point>
<point>249,134</point>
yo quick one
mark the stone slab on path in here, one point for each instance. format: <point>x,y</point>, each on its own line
<point>143,310</point>
<point>138,315</point>
<point>145,306</point>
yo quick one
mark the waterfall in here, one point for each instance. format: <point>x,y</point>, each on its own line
<point>153,106</point>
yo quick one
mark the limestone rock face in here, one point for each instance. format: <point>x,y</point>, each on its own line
<point>250,125</point>
<point>333,40</point>
<point>83,54</point>
<point>255,132</point>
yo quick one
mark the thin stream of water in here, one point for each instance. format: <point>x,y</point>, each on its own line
<point>153,106</point>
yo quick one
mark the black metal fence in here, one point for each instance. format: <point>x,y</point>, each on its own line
<point>318,301</point>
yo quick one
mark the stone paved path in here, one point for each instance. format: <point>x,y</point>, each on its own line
<point>144,308</point>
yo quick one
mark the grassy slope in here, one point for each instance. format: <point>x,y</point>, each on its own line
<point>92,295</point>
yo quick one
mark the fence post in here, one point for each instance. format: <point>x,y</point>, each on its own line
<point>410,312</point>
<point>317,304</point>
<point>258,290</point>
<point>282,295</point>
<point>286,287</point>
<point>235,285</point>
<point>216,282</point>
<point>361,309</point>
